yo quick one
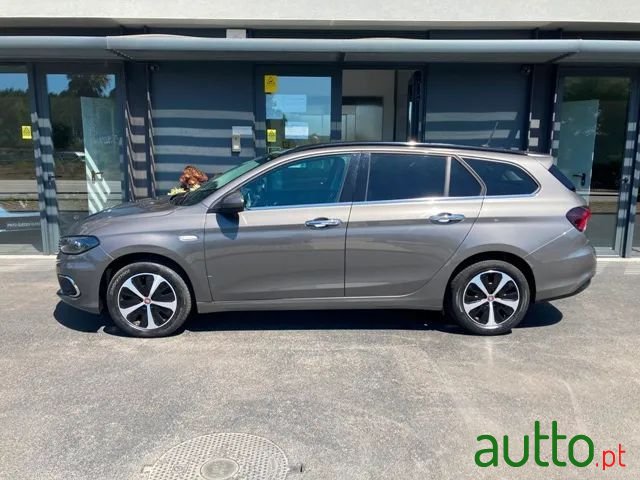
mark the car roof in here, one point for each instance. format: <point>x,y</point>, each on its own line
<point>463,150</point>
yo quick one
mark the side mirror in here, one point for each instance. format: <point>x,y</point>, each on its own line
<point>232,203</point>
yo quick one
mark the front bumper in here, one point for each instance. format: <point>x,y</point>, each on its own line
<point>79,278</point>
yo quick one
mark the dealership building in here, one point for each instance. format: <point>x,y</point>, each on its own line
<point>104,102</point>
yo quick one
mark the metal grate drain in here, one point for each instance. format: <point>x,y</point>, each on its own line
<point>222,456</point>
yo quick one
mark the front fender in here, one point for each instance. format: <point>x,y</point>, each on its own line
<point>188,255</point>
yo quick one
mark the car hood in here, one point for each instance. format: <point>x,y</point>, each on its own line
<point>125,212</point>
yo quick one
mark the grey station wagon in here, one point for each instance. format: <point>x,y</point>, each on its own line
<point>477,233</point>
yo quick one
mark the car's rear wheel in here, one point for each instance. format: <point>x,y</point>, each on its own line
<point>489,297</point>
<point>147,299</point>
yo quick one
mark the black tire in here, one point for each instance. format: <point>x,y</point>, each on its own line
<point>463,293</point>
<point>171,292</point>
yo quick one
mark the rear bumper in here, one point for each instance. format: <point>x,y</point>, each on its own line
<point>79,278</point>
<point>563,267</point>
<point>580,289</point>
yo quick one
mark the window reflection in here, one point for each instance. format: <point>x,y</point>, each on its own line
<point>593,128</point>
<point>298,112</point>
<point>86,138</point>
<point>20,230</point>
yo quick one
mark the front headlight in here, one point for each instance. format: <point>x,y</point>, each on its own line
<point>77,244</point>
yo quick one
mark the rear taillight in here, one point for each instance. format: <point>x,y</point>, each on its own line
<point>579,217</point>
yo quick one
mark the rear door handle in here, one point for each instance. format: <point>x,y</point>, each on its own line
<point>323,222</point>
<point>444,218</point>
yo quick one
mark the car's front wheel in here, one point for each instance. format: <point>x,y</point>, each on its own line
<point>489,297</point>
<point>147,299</point>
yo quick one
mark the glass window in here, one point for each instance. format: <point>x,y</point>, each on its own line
<point>462,182</point>
<point>395,176</point>
<point>20,230</point>
<point>591,147</point>
<point>298,111</point>
<point>503,178</point>
<point>86,135</point>
<point>195,196</point>
<point>312,181</point>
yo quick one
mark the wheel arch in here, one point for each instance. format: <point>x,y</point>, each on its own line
<point>129,258</point>
<point>515,260</point>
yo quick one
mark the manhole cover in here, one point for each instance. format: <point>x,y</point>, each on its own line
<point>222,456</point>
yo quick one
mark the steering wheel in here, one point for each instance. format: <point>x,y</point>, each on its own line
<point>254,192</point>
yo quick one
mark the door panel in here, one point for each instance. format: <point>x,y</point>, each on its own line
<point>289,240</point>
<point>394,248</point>
<point>270,253</point>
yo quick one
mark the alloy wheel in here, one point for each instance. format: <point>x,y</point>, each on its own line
<point>491,298</point>
<point>147,301</point>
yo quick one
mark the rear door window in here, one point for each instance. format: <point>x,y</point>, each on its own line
<point>397,176</point>
<point>462,182</point>
<point>503,178</point>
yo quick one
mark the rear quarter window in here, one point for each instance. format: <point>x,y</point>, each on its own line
<point>503,178</point>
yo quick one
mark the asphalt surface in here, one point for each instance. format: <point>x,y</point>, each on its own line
<point>349,395</point>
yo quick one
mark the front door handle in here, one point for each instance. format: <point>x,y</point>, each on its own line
<point>323,222</point>
<point>445,218</point>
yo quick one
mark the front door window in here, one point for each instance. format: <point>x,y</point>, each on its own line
<point>85,129</point>
<point>312,181</point>
<point>298,111</point>
<point>593,128</point>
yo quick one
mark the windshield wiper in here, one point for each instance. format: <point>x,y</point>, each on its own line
<point>178,198</point>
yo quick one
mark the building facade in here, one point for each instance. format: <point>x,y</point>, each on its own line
<point>107,102</point>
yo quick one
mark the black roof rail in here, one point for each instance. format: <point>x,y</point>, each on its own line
<point>405,144</point>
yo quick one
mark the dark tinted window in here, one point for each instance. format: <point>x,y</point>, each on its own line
<point>312,181</point>
<point>503,178</point>
<point>562,178</point>
<point>462,183</point>
<point>403,176</point>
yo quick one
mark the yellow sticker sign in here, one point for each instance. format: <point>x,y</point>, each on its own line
<point>272,135</point>
<point>26,132</point>
<point>270,83</point>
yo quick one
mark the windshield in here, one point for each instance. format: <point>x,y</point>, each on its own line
<point>207,188</point>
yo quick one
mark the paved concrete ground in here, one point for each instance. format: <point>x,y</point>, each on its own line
<point>350,395</point>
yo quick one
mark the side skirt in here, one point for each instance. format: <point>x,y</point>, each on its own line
<point>330,303</point>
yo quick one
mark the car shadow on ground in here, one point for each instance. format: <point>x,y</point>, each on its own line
<point>540,315</point>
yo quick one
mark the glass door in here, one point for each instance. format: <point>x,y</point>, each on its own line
<point>20,225</point>
<point>298,107</point>
<point>86,132</point>
<point>590,146</point>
